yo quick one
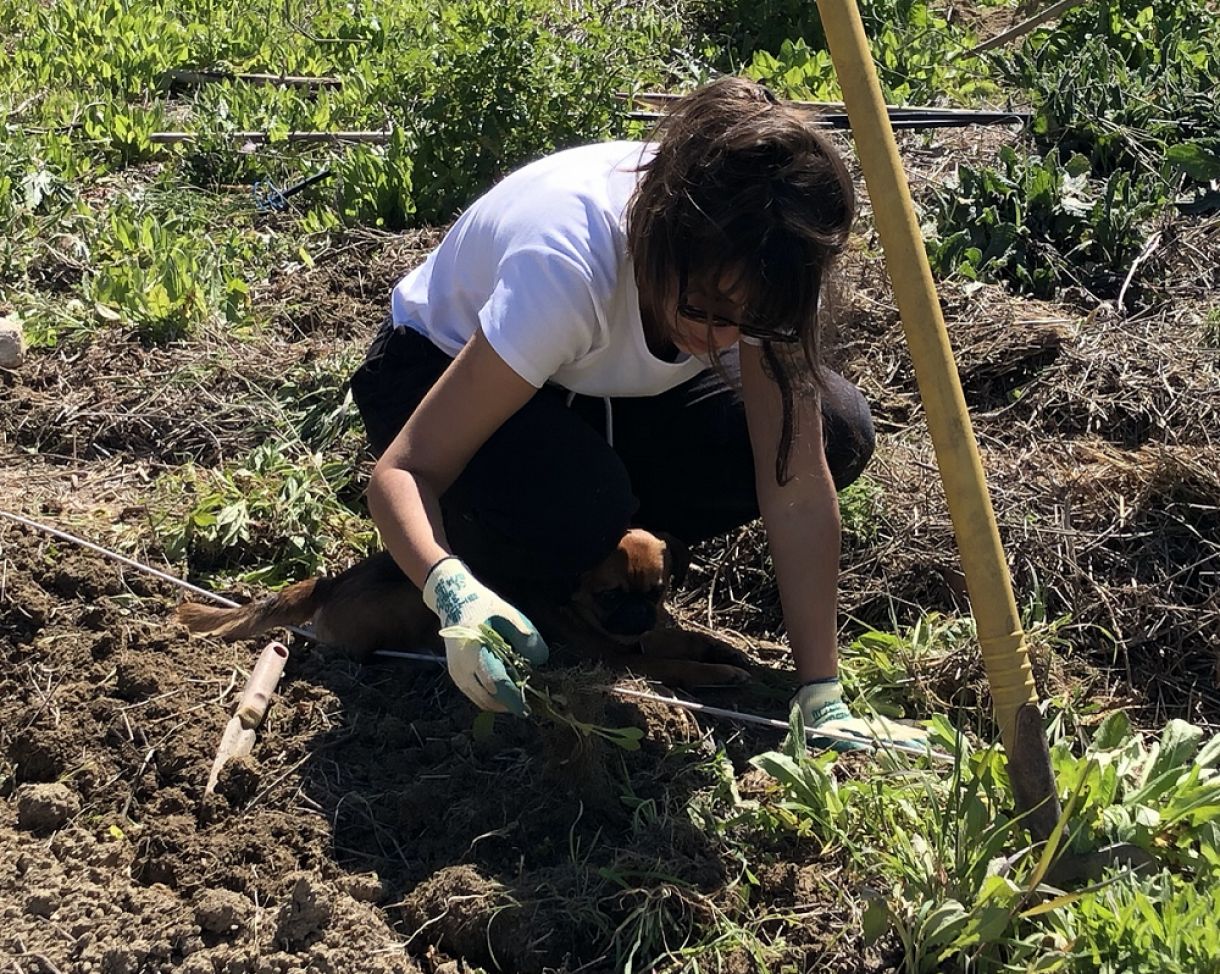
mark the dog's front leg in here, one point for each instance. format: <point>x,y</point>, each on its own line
<point>687,674</point>
<point>682,643</point>
<point>691,670</point>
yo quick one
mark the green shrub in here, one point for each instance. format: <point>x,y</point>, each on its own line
<point>1125,84</point>
<point>511,81</point>
<point>375,186</point>
<point>154,270</point>
<point>782,43</point>
<point>860,507</point>
<point>1039,224</point>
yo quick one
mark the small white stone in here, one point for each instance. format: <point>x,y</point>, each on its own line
<point>12,343</point>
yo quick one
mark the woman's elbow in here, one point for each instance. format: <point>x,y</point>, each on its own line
<point>391,478</point>
<point>376,491</point>
<point>386,480</point>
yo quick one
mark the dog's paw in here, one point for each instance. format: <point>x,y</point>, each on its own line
<point>688,674</point>
<point>725,675</point>
<point>718,651</point>
<point>686,644</point>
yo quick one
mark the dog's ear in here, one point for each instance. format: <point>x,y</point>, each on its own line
<point>678,556</point>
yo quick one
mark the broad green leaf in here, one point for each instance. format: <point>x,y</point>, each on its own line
<point>1209,754</point>
<point>484,727</point>
<point>1199,159</point>
<point>1114,730</point>
<point>942,926</point>
<point>875,920</point>
<point>1179,742</point>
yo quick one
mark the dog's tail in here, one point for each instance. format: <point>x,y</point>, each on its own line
<point>293,606</point>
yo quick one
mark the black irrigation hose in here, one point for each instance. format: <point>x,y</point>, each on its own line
<point>899,119</point>
<point>269,197</point>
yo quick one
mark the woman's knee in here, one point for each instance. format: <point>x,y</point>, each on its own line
<point>847,429</point>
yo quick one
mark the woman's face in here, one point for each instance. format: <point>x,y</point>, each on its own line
<point>704,313</point>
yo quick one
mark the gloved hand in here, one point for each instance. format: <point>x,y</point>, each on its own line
<point>459,599</point>
<point>822,706</point>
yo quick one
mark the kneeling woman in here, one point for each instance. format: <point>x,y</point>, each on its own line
<point>624,334</point>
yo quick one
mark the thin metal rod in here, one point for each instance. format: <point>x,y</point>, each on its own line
<point>832,114</point>
<point>735,715</point>
<point>418,657</point>
<point>837,121</point>
<point>664,98</point>
<point>180,76</point>
<point>810,732</point>
<point>832,120</point>
<point>139,566</point>
<point>264,138</point>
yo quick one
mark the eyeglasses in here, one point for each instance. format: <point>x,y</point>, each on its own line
<point>694,313</point>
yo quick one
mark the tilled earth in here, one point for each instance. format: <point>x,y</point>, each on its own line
<point>372,829</point>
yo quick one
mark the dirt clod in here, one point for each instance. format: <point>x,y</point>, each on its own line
<point>366,888</point>
<point>239,780</point>
<point>305,913</point>
<point>461,904</point>
<point>41,903</point>
<point>12,343</point>
<point>222,911</point>
<point>41,808</point>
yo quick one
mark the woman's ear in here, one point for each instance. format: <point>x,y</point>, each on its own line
<point>678,557</point>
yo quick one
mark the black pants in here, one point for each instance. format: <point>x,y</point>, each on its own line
<point>547,497</point>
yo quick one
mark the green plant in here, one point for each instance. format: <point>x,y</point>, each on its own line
<point>860,507</point>
<point>123,132</point>
<point>954,896</point>
<point>154,271</point>
<point>796,71</point>
<point>880,670</point>
<point>1163,797</point>
<point>1040,224</point>
<point>1142,925</point>
<point>1211,329</point>
<point>782,43</point>
<point>374,184</point>
<point>288,514</point>
<point>1126,83</point>
<point>109,46</point>
<point>543,703</point>
<point>507,82</point>
<point>28,185</point>
<point>315,402</point>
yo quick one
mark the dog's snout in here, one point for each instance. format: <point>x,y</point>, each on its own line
<point>628,614</point>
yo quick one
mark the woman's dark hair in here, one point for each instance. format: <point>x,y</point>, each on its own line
<point>744,187</point>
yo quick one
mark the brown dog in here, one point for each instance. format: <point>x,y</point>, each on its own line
<point>616,616</point>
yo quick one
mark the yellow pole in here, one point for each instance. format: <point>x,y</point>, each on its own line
<point>987,578</point>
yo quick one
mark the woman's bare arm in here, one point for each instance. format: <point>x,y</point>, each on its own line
<point>801,518</point>
<point>470,401</point>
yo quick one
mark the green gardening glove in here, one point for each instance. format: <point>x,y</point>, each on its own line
<point>461,601</point>
<point>822,708</point>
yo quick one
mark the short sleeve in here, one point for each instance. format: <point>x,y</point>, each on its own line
<point>541,314</point>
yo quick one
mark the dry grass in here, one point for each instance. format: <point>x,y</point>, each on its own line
<point>1098,432</point>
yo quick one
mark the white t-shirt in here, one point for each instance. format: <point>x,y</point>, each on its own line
<point>540,264</point>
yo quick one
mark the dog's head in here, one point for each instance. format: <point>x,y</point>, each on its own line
<point>623,595</point>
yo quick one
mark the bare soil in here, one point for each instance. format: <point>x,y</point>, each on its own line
<point>370,830</point>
